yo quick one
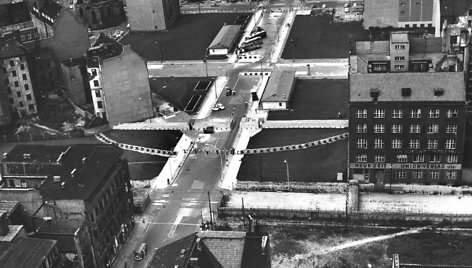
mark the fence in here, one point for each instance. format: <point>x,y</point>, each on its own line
<point>281,213</point>
<point>217,10</point>
<point>35,137</point>
<point>299,187</point>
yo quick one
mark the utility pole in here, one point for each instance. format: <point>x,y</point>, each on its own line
<point>209,205</point>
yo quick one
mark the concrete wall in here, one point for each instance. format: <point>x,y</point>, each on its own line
<point>126,88</point>
<point>70,38</point>
<point>74,83</point>
<point>149,15</point>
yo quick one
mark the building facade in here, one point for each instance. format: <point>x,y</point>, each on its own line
<point>85,194</point>
<point>119,82</point>
<point>16,23</point>
<point>100,14</point>
<point>76,84</point>
<point>16,80</point>
<point>406,123</point>
<point>149,15</point>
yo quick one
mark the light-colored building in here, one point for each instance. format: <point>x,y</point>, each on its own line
<point>225,40</point>
<point>119,82</point>
<point>17,80</point>
<point>278,91</point>
<point>152,15</point>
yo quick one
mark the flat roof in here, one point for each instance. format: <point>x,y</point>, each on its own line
<point>380,13</point>
<point>225,36</point>
<point>26,252</point>
<point>279,87</point>
<point>422,86</point>
<point>91,163</point>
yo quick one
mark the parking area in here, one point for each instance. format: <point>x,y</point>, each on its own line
<point>319,37</point>
<point>187,39</point>
<point>316,99</point>
<point>185,93</point>
<point>315,164</point>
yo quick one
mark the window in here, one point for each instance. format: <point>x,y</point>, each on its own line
<point>415,113</point>
<point>22,66</point>
<point>397,113</point>
<point>28,97</point>
<point>451,175</point>
<point>433,144</point>
<point>400,47</point>
<point>415,128</point>
<point>21,104</point>
<point>26,87</point>
<point>361,143</point>
<point>452,113</point>
<point>94,72</point>
<point>419,158</point>
<point>434,175</point>
<point>402,158</point>
<point>4,70</point>
<point>417,174</point>
<point>399,58</point>
<point>451,129</point>
<point>400,174</point>
<point>378,144</point>
<point>451,158</point>
<point>361,158</point>
<point>17,84</point>
<point>24,77</point>
<point>450,144</point>
<point>18,94</point>
<point>433,128</point>
<point>31,108</point>
<point>399,67</point>
<point>396,144</point>
<point>95,83</point>
<point>397,128</point>
<point>433,113</point>
<point>12,63</point>
<point>13,73</point>
<point>379,158</point>
<point>379,113</point>
<point>379,128</point>
<point>434,158</point>
<point>361,113</point>
<point>100,104</point>
<point>414,144</point>
<point>97,93</point>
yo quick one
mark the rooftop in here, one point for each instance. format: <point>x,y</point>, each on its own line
<point>80,168</point>
<point>280,86</point>
<point>225,36</point>
<point>49,11</point>
<point>103,48</point>
<point>26,252</point>
<point>11,49</point>
<point>8,206</point>
<point>422,85</point>
<point>14,13</point>
<point>454,8</point>
<point>176,254</point>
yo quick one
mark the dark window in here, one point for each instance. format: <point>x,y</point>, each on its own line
<point>12,63</point>
<point>12,183</point>
<point>26,87</point>
<point>99,104</point>
<point>28,97</point>
<point>9,90</point>
<point>94,72</point>
<point>21,104</point>
<point>4,70</point>
<point>95,83</point>
<point>22,66</point>
<point>18,94</point>
<point>25,77</point>
<point>13,73</point>
<point>97,93</point>
<point>406,92</point>
<point>31,108</point>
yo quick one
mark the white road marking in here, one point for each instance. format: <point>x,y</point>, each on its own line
<point>180,214</point>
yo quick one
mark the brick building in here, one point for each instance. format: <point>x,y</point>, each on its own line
<point>406,112</point>
<point>15,80</point>
<point>85,197</point>
<point>119,82</point>
<point>100,14</point>
<point>152,15</point>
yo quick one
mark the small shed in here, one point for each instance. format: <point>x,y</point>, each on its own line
<point>279,90</point>
<point>225,40</point>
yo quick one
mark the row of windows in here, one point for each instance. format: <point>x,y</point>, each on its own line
<point>403,158</point>
<point>414,113</point>
<point>414,128</point>
<point>418,174</point>
<point>12,63</point>
<point>450,144</point>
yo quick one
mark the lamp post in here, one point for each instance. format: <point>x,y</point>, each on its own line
<point>288,171</point>
<point>293,49</point>
<point>160,51</point>
<point>262,74</point>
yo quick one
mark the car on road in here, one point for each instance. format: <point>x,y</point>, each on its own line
<point>140,252</point>
<point>218,107</point>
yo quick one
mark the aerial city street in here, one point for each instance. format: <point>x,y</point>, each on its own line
<point>235,133</point>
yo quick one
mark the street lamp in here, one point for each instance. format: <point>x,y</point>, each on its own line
<point>262,74</point>
<point>293,49</point>
<point>288,171</point>
<point>160,51</point>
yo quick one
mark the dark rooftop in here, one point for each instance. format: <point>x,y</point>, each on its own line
<point>26,252</point>
<point>8,206</point>
<point>103,48</point>
<point>11,49</point>
<point>14,13</point>
<point>50,9</point>
<point>80,167</point>
<point>452,9</point>
<point>176,254</point>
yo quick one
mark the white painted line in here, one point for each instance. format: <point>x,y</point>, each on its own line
<point>155,66</point>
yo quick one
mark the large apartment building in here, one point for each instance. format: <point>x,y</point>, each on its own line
<point>84,193</point>
<point>152,15</point>
<point>406,111</point>
<point>119,82</point>
<point>15,80</point>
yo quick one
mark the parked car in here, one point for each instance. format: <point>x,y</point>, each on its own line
<point>218,107</point>
<point>249,48</point>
